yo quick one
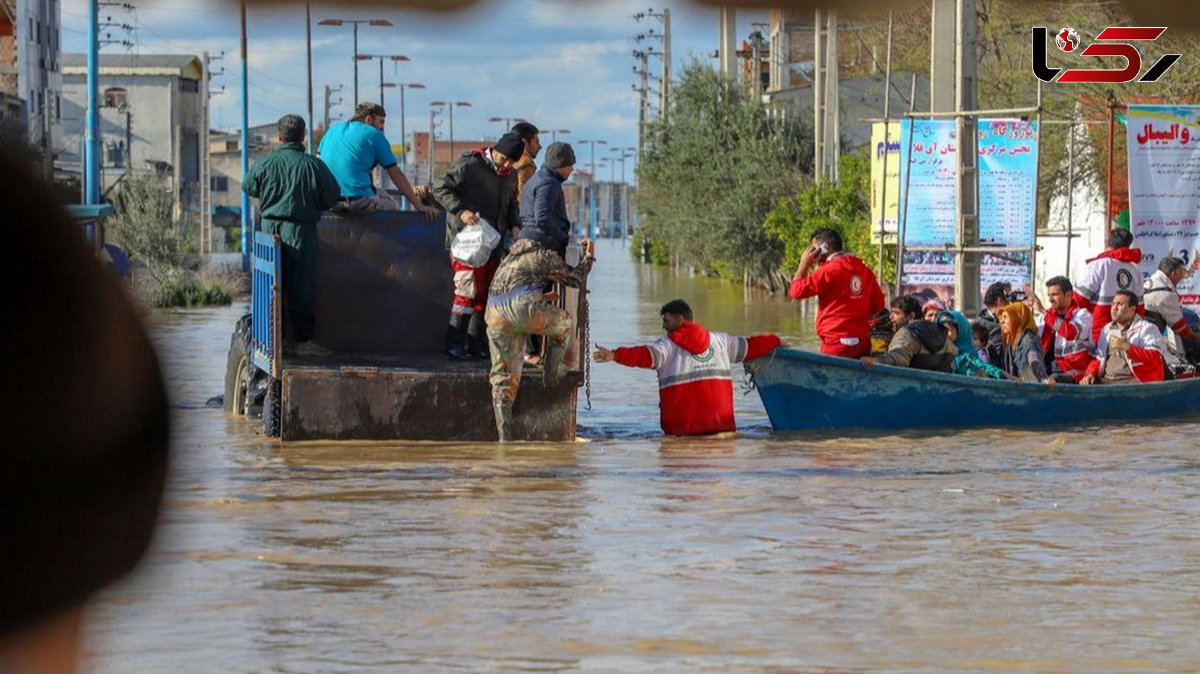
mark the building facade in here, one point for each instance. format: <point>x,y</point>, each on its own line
<point>30,68</point>
<point>151,119</point>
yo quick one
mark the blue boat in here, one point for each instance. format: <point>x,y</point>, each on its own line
<point>803,390</point>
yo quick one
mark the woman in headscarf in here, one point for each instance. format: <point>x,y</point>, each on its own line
<point>967,361</point>
<point>1022,350</point>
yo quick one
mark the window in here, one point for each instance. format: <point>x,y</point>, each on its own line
<point>115,97</point>
<point>220,184</point>
<point>189,85</point>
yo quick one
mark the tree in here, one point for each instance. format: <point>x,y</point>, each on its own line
<point>713,170</point>
<point>843,207</point>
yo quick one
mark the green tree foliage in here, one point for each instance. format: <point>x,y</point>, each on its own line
<point>712,170</point>
<point>143,227</point>
<point>843,207</point>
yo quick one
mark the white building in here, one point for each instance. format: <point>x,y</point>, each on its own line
<point>30,50</point>
<point>152,115</point>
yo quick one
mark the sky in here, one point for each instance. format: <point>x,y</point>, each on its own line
<point>561,64</point>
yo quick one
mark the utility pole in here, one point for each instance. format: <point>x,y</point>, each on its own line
<point>826,123</point>
<point>205,170</point>
<point>664,16</point>
<point>727,51</point>
<point>432,145</point>
<point>665,106</point>
<point>328,94</point>
<point>643,89</point>
<point>953,87</point>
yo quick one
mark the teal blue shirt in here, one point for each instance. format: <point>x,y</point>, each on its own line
<point>350,150</point>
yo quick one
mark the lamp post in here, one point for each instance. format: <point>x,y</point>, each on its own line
<point>554,134</point>
<point>450,105</point>
<point>508,121</point>
<point>395,58</point>
<point>403,138</point>
<point>355,22</point>
<point>626,153</point>
<point>592,172</point>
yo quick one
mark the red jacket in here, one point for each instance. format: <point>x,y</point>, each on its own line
<point>848,297</point>
<point>1104,275</point>
<point>695,385</point>
<point>1069,338</point>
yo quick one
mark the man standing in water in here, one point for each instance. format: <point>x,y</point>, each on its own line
<point>518,307</point>
<point>695,384</point>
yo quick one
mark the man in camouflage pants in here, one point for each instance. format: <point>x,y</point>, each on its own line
<point>517,307</point>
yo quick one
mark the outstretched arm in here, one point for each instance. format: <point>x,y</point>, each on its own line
<point>401,182</point>
<point>629,356</point>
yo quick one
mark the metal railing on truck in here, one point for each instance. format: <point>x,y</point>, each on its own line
<point>265,303</point>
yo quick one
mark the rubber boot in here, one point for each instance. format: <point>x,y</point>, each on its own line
<point>456,337</point>
<point>504,420</point>
<point>477,342</point>
<point>554,371</point>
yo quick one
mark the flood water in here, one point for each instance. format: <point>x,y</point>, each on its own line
<point>989,550</point>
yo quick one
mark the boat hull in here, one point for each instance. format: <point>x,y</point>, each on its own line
<point>803,390</point>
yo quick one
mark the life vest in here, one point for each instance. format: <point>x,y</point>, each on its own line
<point>695,381</point>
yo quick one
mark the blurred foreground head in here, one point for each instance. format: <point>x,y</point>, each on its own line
<point>83,414</point>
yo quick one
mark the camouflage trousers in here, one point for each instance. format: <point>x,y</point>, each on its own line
<point>509,324</point>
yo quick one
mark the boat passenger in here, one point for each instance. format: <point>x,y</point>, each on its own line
<point>967,362</point>
<point>695,385</point>
<point>1161,297</point>
<point>1114,269</point>
<point>519,306</point>
<point>979,339</point>
<point>931,307</point>
<point>479,185</point>
<point>1022,354</point>
<point>994,299</point>
<point>352,150</point>
<point>848,295</point>
<point>1066,332</point>
<point>918,343</point>
<point>1130,348</point>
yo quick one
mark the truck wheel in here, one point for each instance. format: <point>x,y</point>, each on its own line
<point>273,408</point>
<point>237,366</point>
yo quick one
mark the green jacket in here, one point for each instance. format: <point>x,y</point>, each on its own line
<point>291,186</point>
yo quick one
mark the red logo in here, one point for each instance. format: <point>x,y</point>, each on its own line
<point>1112,41</point>
<point>1067,39</point>
<point>856,285</point>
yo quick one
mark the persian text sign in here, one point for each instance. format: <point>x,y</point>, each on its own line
<point>885,180</point>
<point>1164,186</point>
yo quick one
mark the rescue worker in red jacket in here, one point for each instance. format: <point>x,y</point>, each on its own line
<point>695,385</point>
<point>848,295</point>
<point>1114,269</point>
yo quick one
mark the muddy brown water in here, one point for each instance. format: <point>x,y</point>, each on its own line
<point>986,550</point>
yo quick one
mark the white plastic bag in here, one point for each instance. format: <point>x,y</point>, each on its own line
<point>473,246</point>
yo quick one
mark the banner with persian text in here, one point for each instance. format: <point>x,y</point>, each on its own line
<point>1164,186</point>
<point>885,181</point>
<point>1007,203</point>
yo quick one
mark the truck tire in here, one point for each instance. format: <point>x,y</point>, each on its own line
<point>237,366</point>
<point>273,409</point>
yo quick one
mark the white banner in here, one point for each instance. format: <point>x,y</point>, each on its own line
<point>1164,186</point>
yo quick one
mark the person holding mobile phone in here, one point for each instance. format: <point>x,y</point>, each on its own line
<point>847,293</point>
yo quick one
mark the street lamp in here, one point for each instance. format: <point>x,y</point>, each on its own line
<point>403,138</point>
<point>625,153</point>
<point>554,133</point>
<point>395,58</point>
<point>508,121</point>
<point>593,143</point>
<point>450,106</point>
<point>355,22</point>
